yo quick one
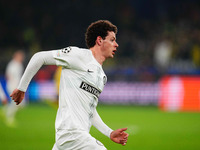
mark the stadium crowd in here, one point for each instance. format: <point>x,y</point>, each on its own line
<point>155,37</point>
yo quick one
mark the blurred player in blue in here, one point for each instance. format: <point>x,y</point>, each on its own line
<point>82,80</point>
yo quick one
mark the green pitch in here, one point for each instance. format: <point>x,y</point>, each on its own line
<point>149,128</point>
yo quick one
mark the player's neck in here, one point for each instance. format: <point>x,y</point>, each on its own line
<point>98,55</point>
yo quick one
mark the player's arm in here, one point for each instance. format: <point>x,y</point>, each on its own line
<point>118,136</point>
<point>37,61</point>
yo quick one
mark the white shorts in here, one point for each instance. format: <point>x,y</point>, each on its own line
<point>76,140</point>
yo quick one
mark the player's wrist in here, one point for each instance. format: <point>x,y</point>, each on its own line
<point>21,89</point>
<point>110,133</point>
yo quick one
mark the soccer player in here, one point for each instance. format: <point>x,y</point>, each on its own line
<point>14,71</point>
<point>82,81</point>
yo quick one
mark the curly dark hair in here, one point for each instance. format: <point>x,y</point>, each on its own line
<point>98,28</point>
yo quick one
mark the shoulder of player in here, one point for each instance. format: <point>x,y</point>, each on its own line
<point>79,50</point>
<point>81,53</point>
<point>11,64</point>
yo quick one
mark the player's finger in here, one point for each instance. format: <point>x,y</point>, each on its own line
<point>123,129</point>
<point>123,142</point>
<point>126,135</point>
<point>14,96</point>
<point>11,95</point>
<point>15,99</point>
<point>125,138</point>
<point>17,102</point>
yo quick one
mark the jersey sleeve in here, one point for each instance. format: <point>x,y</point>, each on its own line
<point>67,57</point>
<point>35,63</point>
<point>98,123</point>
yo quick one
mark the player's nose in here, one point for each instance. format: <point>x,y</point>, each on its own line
<point>116,44</point>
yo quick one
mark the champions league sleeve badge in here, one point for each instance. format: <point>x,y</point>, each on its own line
<point>66,50</point>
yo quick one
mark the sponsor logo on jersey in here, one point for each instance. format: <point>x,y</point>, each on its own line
<point>90,89</point>
<point>90,71</point>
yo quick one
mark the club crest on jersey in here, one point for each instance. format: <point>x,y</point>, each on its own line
<point>104,80</point>
<point>66,50</point>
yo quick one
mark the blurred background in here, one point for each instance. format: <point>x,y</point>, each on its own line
<point>157,63</point>
<point>156,38</point>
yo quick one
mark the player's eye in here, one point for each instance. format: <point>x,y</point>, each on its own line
<point>112,40</point>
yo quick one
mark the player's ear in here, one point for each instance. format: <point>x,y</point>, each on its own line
<point>99,40</point>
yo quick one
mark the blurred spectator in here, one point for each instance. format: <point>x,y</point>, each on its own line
<point>162,54</point>
<point>196,48</point>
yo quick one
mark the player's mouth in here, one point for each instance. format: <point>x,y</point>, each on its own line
<point>113,52</point>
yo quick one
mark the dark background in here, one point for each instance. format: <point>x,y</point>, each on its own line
<point>36,25</point>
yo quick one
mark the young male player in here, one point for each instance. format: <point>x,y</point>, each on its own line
<point>14,71</point>
<point>82,81</point>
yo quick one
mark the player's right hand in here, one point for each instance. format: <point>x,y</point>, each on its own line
<point>119,136</point>
<point>17,96</point>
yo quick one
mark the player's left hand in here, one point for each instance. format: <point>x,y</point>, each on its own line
<point>119,136</point>
<point>17,96</point>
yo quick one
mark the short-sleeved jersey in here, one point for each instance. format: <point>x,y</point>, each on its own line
<point>82,80</point>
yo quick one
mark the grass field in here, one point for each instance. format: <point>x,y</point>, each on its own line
<point>149,128</point>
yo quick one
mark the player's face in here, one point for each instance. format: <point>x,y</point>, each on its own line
<point>109,45</point>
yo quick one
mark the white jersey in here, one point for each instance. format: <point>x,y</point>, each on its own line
<point>2,94</point>
<point>14,72</point>
<point>82,80</point>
